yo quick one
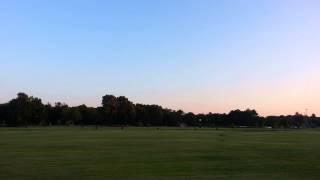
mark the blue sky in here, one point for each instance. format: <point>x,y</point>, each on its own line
<point>195,55</point>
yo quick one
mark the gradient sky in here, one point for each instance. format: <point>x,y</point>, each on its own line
<point>195,55</point>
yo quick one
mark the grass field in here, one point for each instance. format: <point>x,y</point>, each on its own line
<point>147,153</point>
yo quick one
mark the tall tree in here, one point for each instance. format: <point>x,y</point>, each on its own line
<point>20,110</point>
<point>109,104</point>
<point>126,112</point>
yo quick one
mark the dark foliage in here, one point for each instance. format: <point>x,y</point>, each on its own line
<point>27,110</point>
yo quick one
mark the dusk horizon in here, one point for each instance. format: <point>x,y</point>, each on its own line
<point>160,89</point>
<point>200,57</point>
<point>306,111</point>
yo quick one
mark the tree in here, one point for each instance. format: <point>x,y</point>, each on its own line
<point>19,110</point>
<point>141,115</point>
<point>3,114</point>
<point>27,110</point>
<point>243,118</point>
<point>109,104</point>
<point>73,116</point>
<point>155,114</point>
<point>172,118</point>
<point>190,119</point>
<point>37,111</point>
<point>149,115</point>
<point>126,112</point>
<point>58,115</point>
<point>298,120</point>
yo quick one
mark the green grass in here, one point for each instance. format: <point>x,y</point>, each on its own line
<point>145,153</point>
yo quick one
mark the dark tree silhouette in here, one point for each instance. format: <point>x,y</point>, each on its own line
<point>27,110</point>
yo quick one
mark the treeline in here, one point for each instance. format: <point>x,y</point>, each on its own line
<point>27,110</point>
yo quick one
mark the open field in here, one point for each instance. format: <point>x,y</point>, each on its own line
<point>147,153</point>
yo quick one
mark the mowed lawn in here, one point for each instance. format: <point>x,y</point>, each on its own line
<point>147,153</point>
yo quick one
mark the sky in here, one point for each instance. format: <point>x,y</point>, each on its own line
<point>195,55</point>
